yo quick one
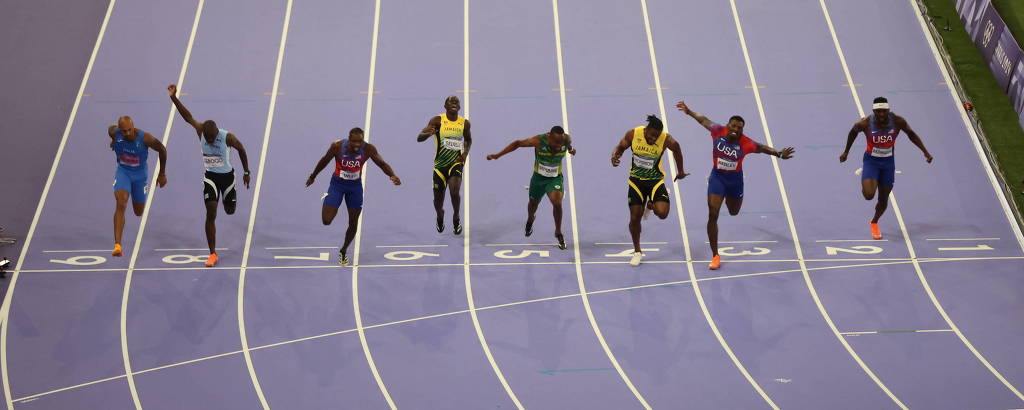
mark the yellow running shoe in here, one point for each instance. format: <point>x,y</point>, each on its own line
<point>117,250</point>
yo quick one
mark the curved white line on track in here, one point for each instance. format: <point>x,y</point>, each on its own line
<point>145,217</point>
<point>359,224</point>
<point>682,224</point>
<point>243,337</point>
<point>903,226</point>
<point>584,296</point>
<point>792,223</point>
<point>6,307</point>
<point>466,223</point>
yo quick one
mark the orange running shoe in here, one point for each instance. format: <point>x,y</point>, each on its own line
<point>715,262</point>
<point>875,233</point>
<point>117,250</point>
<point>211,261</point>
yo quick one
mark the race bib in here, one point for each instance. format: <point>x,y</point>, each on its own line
<point>725,164</point>
<point>213,161</point>
<point>881,151</point>
<point>129,160</point>
<point>643,162</point>
<point>453,144</point>
<point>547,170</point>
<point>351,175</point>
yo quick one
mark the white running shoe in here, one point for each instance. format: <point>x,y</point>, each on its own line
<point>635,260</point>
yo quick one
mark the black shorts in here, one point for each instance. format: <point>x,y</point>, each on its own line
<point>217,186</point>
<point>642,191</point>
<point>442,175</point>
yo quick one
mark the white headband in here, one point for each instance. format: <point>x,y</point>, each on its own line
<point>880,106</point>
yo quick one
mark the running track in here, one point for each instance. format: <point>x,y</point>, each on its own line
<point>799,316</point>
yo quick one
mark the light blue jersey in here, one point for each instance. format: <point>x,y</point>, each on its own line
<point>216,156</point>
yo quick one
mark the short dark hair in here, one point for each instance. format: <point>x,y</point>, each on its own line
<point>355,130</point>
<point>737,118</point>
<point>210,127</point>
<point>557,130</point>
<point>880,100</point>
<point>655,123</point>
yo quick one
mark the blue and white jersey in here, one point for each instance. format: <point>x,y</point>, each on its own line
<point>217,156</point>
<point>131,155</point>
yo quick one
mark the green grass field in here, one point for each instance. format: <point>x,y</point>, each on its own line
<point>994,109</point>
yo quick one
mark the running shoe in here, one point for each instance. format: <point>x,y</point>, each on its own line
<point>561,242</point>
<point>211,261</point>
<point>342,258</point>
<point>529,229</point>
<point>456,227</point>
<point>117,250</point>
<point>716,262</point>
<point>875,232</point>
<point>440,225</point>
<point>635,259</point>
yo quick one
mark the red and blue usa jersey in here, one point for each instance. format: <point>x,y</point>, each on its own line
<point>728,156</point>
<point>350,166</point>
<point>881,141</point>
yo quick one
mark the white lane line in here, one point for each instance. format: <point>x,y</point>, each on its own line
<point>5,308</point>
<point>630,243</point>
<point>685,236</point>
<point>903,226</point>
<point>411,246</point>
<point>962,239</point>
<point>466,224</point>
<point>145,217</point>
<point>575,225</point>
<point>261,167</point>
<point>521,244</point>
<point>359,224</point>
<point>792,224</point>
<point>79,251</point>
<point>187,249</point>
<point>975,139</point>
<point>850,240</point>
<point>882,332</point>
<point>278,248</point>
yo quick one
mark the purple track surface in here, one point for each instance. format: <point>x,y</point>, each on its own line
<point>805,313</point>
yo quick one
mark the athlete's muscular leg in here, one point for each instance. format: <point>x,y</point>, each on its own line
<point>733,204</point>
<point>556,209</point>
<point>661,209</point>
<point>636,213</point>
<point>327,214</point>
<point>868,187</point>
<point>531,210</point>
<point>439,204</point>
<point>353,223</point>
<point>883,202</point>
<point>138,208</point>
<point>211,226</point>
<point>454,185</point>
<point>714,206</point>
<point>229,208</point>
<point>121,202</point>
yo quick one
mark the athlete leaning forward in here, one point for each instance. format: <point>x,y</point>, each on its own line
<point>725,183</point>
<point>646,177</point>
<point>549,150</point>
<point>349,157</point>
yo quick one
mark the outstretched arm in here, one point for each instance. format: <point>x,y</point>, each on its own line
<point>430,129</point>
<point>376,158</point>
<point>858,127</point>
<point>626,142</point>
<point>533,141</point>
<point>332,152</point>
<point>902,123</point>
<point>704,121</point>
<point>237,145</point>
<point>467,137</point>
<point>786,153</point>
<point>110,132</point>
<point>158,146</point>
<point>677,155</point>
<point>172,91</point>
<point>568,143</point>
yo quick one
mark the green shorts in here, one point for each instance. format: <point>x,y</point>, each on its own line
<point>541,185</point>
<point>642,191</point>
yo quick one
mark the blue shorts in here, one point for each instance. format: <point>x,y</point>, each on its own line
<point>349,191</point>
<point>727,184</point>
<point>135,182</point>
<point>881,169</point>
